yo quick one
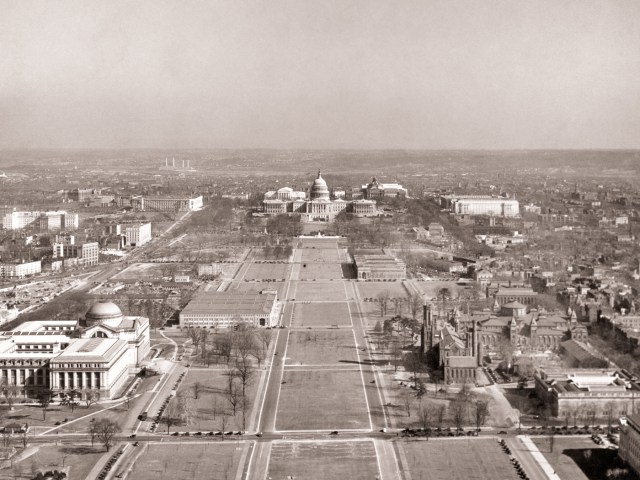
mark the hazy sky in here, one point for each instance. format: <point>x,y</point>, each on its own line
<point>320,74</point>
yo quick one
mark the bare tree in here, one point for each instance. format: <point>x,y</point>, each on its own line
<point>91,398</point>
<point>245,374</point>
<point>93,431</point>
<point>106,429</point>
<point>197,386</point>
<point>398,304</point>
<point>457,410</point>
<point>383,301</point>
<point>407,401</point>
<point>234,395</point>
<point>415,304</point>
<point>440,409</point>
<point>266,336</point>
<point>195,336</point>
<point>424,415</point>
<point>44,400</point>
<point>172,414</point>
<point>482,411</point>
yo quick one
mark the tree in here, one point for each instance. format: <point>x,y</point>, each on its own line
<point>378,327</point>
<point>93,431</point>
<point>440,409</point>
<point>70,399</point>
<point>266,336</point>
<point>105,431</point>
<point>9,392</point>
<point>457,410</point>
<point>407,401</point>
<point>424,414</point>
<point>197,386</point>
<point>195,336</point>
<point>245,373</point>
<point>415,304</point>
<point>383,301</point>
<point>413,363</point>
<point>172,413</point>
<point>91,398</point>
<point>234,396</point>
<point>398,303</point>
<point>44,400</point>
<point>482,411</point>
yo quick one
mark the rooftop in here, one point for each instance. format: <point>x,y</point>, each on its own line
<point>231,303</point>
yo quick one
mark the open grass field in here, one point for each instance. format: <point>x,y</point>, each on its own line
<point>267,271</point>
<point>261,286</point>
<point>212,401</point>
<point>372,289</point>
<point>318,243</point>
<point>458,459</point>
<point>320,271</point>
<point>188,461</point>
<point>78,461</point>
<point>321,347</point>
<point>355,460</point>
<point>146,271</point>
<point>309,255</point>
<point>319,291</point>
<point>322,400</point>
<point>320,314</point>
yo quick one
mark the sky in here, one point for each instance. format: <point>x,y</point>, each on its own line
<point>427,74</point>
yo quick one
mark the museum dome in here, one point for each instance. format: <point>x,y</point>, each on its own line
<point>103,312</point>
<point>319,189</point>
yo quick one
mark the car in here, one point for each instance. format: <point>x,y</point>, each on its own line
<point>133,435</point>
<point>335,432</point>
<point>259,434</point>
<point>502,432</point>
<point>135,444</point>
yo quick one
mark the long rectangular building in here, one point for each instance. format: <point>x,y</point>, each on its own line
<point>226,309</point>
<point>167,204</point>
<point>481,205</point>
<point>379,267</point>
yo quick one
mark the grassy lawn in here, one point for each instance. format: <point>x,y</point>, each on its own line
<point>354,460</point>
<point>212,401</point>
<point>317,291</point>
<point>457,459</point>
<point>260,286</point>
<point>78,461</point>
<point>320,271</point>
<point>320,255</point>
<point>321,347</point>
<point>372,289</point>
<point>187,461</point>
<point>264,271</point>
<point>321,314</point>
<point>321,400</point>
<point>578,458</point>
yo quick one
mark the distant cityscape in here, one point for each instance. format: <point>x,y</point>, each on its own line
<point>201,304</point>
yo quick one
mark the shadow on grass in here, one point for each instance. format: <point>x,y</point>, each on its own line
<point>348,271</point>
<point>595,462</point>
<point>18,417</point>
<point>80,450</point>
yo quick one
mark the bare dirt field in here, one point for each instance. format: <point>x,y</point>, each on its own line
<point>319,291</point>
<point>457,459</point>
<point>267,271</point>
<point>146,271</point>
<point>219,461</point>
<point>78,461</point>
<point>355,460</point>
<point>307,397</point>
<point>321,314</point>
<point>318,347</point>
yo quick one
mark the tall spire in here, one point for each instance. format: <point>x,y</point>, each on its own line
<point>319,176</point>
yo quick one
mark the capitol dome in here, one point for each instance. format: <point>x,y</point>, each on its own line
<point>319,189</point>
<point>104,312</point>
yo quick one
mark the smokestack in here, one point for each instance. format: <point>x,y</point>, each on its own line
<point>173,162</point>
<point>183,163</point>
<point>166,162</point>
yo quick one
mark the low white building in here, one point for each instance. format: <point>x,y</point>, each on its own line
<point>138,235</point>
<point>226,309</point>
<point>20,270</point>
